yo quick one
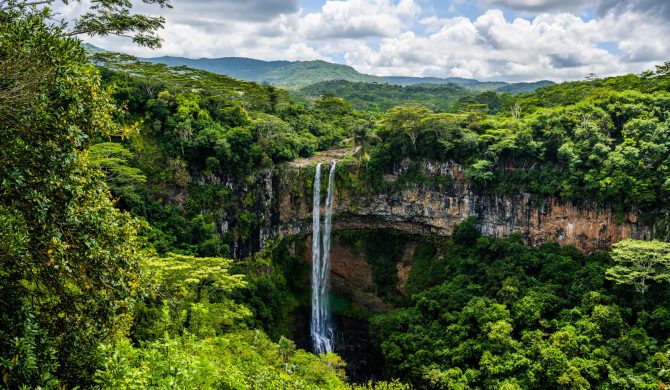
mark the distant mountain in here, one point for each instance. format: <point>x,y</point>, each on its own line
<point>298,74</point>
<point>404,80</point>
<point>282,73</point>
<point>499,86</point>
<point>524,87</point>
<point>92,48</point>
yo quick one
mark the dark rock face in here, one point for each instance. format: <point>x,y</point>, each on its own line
<point>253,198</point>
<point>352,342</point>
<point>351,277</point>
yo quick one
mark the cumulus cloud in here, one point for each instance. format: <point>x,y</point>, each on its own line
<point>555,39</point>
<point>555,46</point>
<point>355,19</point>
<point>654,8</point>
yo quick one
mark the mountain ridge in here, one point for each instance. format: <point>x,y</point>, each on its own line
<point>302,74</point>
<point>298,74</point>
<point>281,72</point>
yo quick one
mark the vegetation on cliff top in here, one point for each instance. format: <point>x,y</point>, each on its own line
<point>604,141</point>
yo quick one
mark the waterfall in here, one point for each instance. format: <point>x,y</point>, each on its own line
<point>320,326</point>
<point>315,325</point>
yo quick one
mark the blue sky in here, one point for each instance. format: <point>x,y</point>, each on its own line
<point>512,40</point>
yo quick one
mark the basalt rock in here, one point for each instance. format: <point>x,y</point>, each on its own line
<point>423,209</point>
<point>351,276</point>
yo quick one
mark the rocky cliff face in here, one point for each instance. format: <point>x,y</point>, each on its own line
<point>351,276</point>
<point>423,209</point>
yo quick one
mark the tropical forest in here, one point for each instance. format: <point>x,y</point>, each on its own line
<point>340,194</point>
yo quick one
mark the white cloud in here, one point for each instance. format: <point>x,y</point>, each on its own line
<point>398,37</point>
<point>301,52</point>
<point>554,46</point>
<point>359,19</point>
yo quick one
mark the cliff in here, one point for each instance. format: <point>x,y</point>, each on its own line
<point>422,208</point>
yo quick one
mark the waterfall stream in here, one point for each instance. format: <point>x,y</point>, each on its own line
<point>321,329</point>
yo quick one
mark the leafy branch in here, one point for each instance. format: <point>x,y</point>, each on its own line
<point>102,18</point>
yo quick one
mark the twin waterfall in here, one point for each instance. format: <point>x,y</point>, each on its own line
<point>321,328</point>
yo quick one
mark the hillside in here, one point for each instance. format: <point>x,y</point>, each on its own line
<point>407,80</point>
<point>381,97</point>
<point>499,86</point>
<point>281,73</point>
<point>524,87</point>
<point>298,74</point>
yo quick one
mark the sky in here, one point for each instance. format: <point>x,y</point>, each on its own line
<point>510,40</point>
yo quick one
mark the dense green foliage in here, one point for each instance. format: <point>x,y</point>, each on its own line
<point>68,258</point>
<point>381,97</point>
<point>492,313</point>
<point>603,141</point>
<point>124,188</point>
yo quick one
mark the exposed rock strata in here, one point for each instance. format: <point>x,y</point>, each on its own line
<point>350,276</point>
<point>423,210</point>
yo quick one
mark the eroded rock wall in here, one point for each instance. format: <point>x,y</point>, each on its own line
<point>351,276</point>
<point>423,209</point>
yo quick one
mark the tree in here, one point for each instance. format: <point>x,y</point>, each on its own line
<point>407,120</point>
<point>101,18</point>
<point>113,159</point>
<point>443,124</point>
<point>333,105</point>
<point>68,258</point>
<point>481,171</point>
<point>516,111</point>
<point>197,286</point>
<point>638,262</point>
<point>591,77</point>
<point>663,70</point>
<point>363,131</point>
